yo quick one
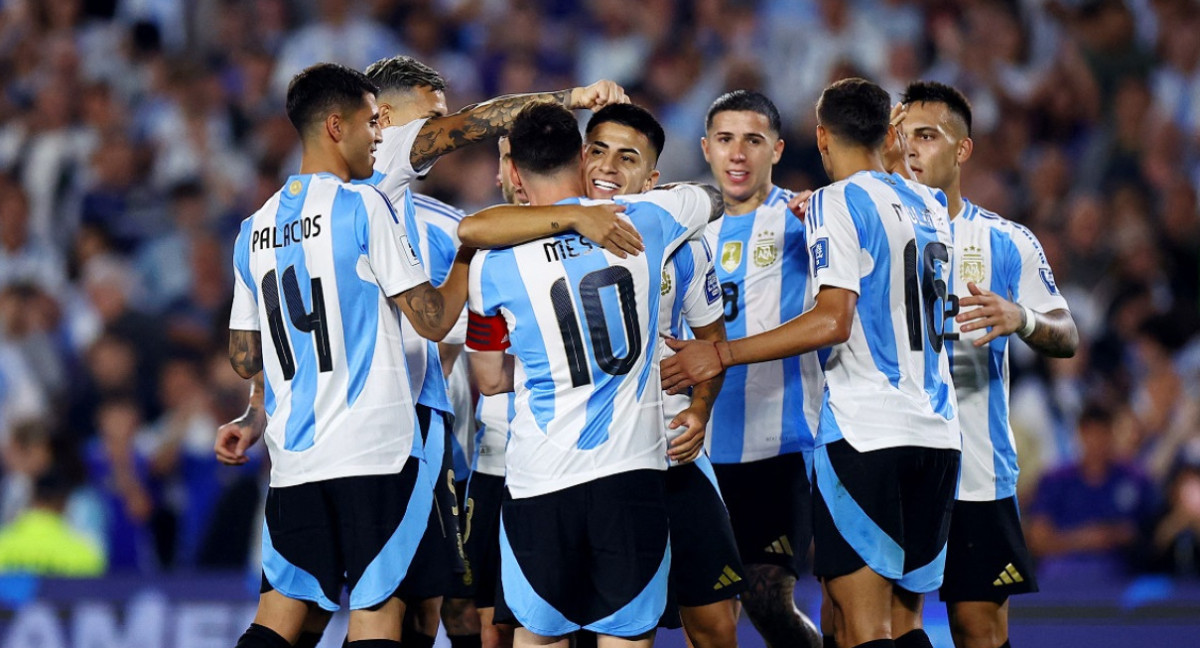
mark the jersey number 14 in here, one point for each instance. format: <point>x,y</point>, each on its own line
<point>304,321</point>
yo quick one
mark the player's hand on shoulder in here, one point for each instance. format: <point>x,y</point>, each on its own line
<point>602,224</point>
<point>598,95</point>
<point>988,310</point>
<point>687,446</point>
<point>798,205</point>
<point>694,362</point>
<point>237,436</point>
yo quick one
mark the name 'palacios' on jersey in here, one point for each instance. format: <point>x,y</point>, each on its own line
<point>285,235</point>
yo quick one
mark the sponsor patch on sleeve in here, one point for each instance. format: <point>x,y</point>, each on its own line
<point>820,254</point>
<point>1048,279</point>
<point>409,252</point>
<point>712,288</point>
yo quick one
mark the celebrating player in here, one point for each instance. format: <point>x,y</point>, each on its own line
<point>1006,287</point>
<point>886,462</point>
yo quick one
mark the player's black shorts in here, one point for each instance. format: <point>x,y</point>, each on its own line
<point>593,556</point>
<point>481,535</point>
<point>441,567</point>
<point>887,509</point>
<point>986,556</point>
<point>705,565</point>
<point>360,532</point>
<point>770,507</point>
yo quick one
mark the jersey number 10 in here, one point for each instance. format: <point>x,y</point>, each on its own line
<point>307,322</point>
<point>597,324</point>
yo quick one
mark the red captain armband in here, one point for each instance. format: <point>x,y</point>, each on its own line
<point>486,332</point>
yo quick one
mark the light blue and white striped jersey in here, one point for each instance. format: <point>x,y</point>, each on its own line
<point>765,409</point>
<point>584,325</point>
<point>317,264</point>
<point>437,245</point>
<point>691,296</point>
<point>494,415</point>
<point>887,239</point>
<point>1007,259</point>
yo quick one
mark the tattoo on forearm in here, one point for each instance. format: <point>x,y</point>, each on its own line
<point>245,352</point>
<point>442,135</point>
<point>427,304</point>
<point>1055,334</point>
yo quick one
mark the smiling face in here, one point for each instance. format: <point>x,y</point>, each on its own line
<point>937,143</point>
<point>741,148</point>
<point>618,159</point>
<point>361,133</point>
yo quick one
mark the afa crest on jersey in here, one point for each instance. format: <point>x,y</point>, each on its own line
<point>731,255</point>
<point>972,269</point>
<point>765,250</point>
<point>665,288</point>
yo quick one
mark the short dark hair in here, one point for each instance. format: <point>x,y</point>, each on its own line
<point>635,117</point>
<point>856,110</point>
<point>544,138</point>
<point>322,89</point>
<point>748,100</point>
<point>404,73</point>
<point>934,92</point>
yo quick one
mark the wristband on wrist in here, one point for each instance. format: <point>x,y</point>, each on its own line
<point>1030,323</point>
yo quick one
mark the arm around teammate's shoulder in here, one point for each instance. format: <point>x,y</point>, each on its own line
<point>505,225</point>
<point>433,312</point>
<point>492,118</point>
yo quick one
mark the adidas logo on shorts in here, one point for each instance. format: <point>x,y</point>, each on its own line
<point>780,546</point>
<point>1009,576</point>
<point>728,577</point>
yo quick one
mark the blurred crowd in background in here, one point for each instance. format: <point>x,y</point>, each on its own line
<point>136,134</point>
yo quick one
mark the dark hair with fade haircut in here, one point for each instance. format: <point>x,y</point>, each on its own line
<point>404,73</point>
<point>544,138</point>
<point>748,100</point>
<point>635,117</point>
<point>856,110</point>
<point>934,92</point>
<point>322,89</point>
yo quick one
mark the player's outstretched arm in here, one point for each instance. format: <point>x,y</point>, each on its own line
<point>827,323</point>
<point>688,445</point>
<point>505,225</point>
<point>237,436</point>
<point>440,135</point>
<point>1053,333</point>
<point>433,312</point>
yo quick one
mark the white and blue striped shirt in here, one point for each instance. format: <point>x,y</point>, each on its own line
<point>887,239</point>
<point>1007,259</point>
<point>317,264</point>
<point>766,409</point>
<point>584,325</point>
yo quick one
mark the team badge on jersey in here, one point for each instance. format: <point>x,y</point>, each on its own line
<point>972,268</point>
<point>765,250</point>
<point>294,187</point>
<point>712,287</point>
<point>665,288</point>
<point>731,255</point>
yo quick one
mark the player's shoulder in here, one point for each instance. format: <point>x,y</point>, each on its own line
<point>1019,233</point>
<point>433,207</point>
<point>778,197</point>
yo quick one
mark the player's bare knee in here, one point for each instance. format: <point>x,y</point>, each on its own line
<point>976,626</point>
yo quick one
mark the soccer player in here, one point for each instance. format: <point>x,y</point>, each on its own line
<point>887,455</point>
<point>762,428</point>
<point>621,148</point>
<point>326,266</point>
<point>587,447</point>
<point>1005,287</point>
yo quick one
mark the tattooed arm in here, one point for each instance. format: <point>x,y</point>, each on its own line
<point>716,199</point>
<point>434,311</point>
<point>505,225</point>
<point>1054,332</point>
<point>245,352</point>
<point>235,437</point>
<point>440,135</point>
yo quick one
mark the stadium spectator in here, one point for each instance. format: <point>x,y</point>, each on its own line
<point>40,540</point>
